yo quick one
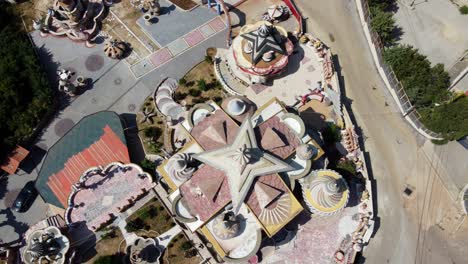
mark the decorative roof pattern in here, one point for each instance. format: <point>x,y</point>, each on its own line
<point>325,194</point>
<point>199,202</point>
<point>284,132</point>
<point>240,175</point>
<point>46,244</point>
<point>226,226</point>
<point>97,139</point>
<point>263,40</point>
<point>179,168</point>
<point>211,125</point>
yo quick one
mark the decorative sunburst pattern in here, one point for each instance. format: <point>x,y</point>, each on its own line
<point>277,213</point>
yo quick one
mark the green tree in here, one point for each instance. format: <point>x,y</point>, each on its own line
<point>449,119</point>
<point>384,24</point>
<point>463,10</point>
<point>424,85</point>
<point>202,85</point>
<point>25,95</point>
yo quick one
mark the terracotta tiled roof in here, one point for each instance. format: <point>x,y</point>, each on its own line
<point>205,206</point>
<point>107,149</point>
<point>14,159</point>
<point>287,135</point>
<point>217,118</point>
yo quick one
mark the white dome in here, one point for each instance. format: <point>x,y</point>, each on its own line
<point>268,56</point>
<point>305,152</point>
<point>248,47</point>
<point>236,107</point>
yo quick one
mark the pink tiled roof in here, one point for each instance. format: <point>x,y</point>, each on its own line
<point>288,136</point>
<point>202,205</point>
<point>272,180</point>
<point>217,117</point>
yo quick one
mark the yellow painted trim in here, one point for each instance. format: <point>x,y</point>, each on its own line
<point>206,232</point>
<point>339,205</point>
<point>296,208</point>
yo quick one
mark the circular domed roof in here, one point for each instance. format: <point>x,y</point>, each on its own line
<point>178,167</point>
<point>327,193</point>
<point>236,107</point>
<point>248,47</point>
<point>226,226</point>
<point>268,56</point>
<point>305,151</point>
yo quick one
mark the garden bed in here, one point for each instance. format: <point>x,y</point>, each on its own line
<point>199,85</point>
<point>184,4</point>
<point>151,133</point>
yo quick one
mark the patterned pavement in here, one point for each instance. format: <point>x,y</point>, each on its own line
<point>178,46</point>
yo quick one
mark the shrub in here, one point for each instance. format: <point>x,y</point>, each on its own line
<point>148,165</point>
<point>331,134</point>
<point>208,59</point>
<point>384,24</point>
<point>194,92</point>
<point>182,81</point>
<point>218,99</point>
<point>449,119</point>
<point>153,132</point>
<point>199,100</point>
<point>179,96</point>
<point>424,85</point>
<point>347,166</point>
<point>463,9</point>
<point>185,246</point>
<point>104,260</point>
<point>155,147</point>
<point>201,84</point>
<point>135,225</point>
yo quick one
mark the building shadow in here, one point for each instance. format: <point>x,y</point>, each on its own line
<point>361,139</point>
<point>34,158</point>
<point>294,62</point>
<point>134,144</point>
<point>84,240</point>
<point>3,186</point>
<point>240,16</point>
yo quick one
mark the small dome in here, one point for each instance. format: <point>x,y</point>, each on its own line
<point>305,151</point>
<point>226,226</point>
<point>327,193</point>
<point>264,30</point>
<point>178,167</point>
<point>248,47</point>
<point>268,56</point>
<point>236,107</point>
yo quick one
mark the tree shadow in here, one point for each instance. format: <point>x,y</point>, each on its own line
<point>361,139</point>
<point>19,228</point>
<point>3,186</point>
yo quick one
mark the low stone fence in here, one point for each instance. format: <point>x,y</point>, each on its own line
<point>393,84</point>
<point>220,77</point>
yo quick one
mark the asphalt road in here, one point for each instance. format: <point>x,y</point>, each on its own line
<point>392,145</point>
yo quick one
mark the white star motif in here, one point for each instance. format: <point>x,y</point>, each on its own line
<point>242,162</point>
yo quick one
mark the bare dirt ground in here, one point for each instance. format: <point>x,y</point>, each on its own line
<point>184,4</point>
<point>33,10</point>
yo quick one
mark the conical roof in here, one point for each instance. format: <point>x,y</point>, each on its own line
<point>266,194</point>
<point>271,140</point>
<point>211,187</point>
<point>216,132</point>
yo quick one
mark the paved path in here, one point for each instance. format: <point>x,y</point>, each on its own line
<point>393,146</point>
<point>166,237</point>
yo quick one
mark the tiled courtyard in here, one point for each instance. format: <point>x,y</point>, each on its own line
<point>102,195</point>
<point>173,23</point>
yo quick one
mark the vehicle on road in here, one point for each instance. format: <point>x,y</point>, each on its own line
<point>25,198</point>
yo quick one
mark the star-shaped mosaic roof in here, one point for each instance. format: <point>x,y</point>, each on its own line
<point>263,40</point>
<point>242,162</point>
